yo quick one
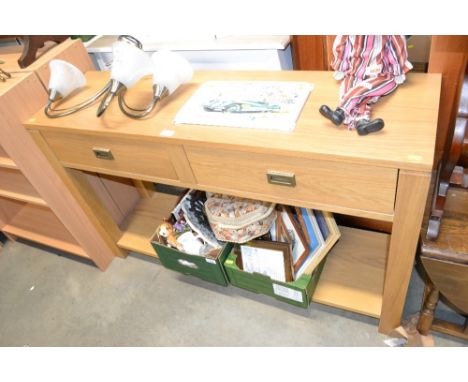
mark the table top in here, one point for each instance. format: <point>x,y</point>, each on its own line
<point>406,142</point>
<point>103,44</point>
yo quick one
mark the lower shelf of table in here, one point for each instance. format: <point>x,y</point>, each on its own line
<point>353,276</point>
<point>139,228</point>
<point>39,224</point>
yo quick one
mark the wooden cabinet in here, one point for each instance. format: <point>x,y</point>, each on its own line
<point>448,56</point>
<point>23,211</point>
<point>310,52</point>
<point>35,203</point>
<point>14,185</point>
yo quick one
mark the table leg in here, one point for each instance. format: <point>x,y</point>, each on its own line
<point>427,311</point>
<point>409,210</point>
<point>87,219</point>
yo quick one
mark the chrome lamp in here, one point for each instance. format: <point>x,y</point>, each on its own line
<point>130,64</point>
<point>170,70</point>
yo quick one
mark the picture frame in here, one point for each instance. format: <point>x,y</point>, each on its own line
<point>269,258</point>
<point>291,231</point>
<point>318,228</point>
<point>316,240</point>
<point>321,218</point>
<point>278,231</point>
<point>300,219</point>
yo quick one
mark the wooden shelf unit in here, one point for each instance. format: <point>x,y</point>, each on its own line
<point>39,224</point>
<point>25,172</point>
<point>14,185</point>
<point>5,160</point>
<point>25,214</point>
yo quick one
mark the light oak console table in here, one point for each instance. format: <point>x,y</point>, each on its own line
<point>384,176</point>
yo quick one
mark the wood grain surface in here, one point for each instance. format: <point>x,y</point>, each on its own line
<point>24,99</point>
<point>328,183</point>
<point>407,141</point>
<point>409,210</point>
<point>39,224</point>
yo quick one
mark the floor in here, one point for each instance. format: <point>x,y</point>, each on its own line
<point>48,299</point>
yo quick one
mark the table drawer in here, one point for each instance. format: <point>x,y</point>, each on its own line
<point>351,186</point>
<point>116,156</point>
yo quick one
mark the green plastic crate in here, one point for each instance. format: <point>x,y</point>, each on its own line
<point>207,269</point>
<point>298,292</point>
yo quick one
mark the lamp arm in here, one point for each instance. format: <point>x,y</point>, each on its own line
<point>115,87</point>
<point>136,113</point>
<point>158,93</point>
<point>56,113</point>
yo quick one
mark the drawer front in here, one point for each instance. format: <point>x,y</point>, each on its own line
<point>295,180</point>
<point>116,156</point>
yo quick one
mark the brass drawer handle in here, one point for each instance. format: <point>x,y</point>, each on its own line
<point>281,178</point>
<point>102,153</point>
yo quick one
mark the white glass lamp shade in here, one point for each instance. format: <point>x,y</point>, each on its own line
<point>65,77</point>
<point>129,64</point>
<point>170,70</point>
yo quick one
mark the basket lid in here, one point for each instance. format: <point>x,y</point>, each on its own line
<point>234,212</point>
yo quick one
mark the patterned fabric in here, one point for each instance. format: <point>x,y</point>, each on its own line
<point>370,67</point>
<point>239,220</point>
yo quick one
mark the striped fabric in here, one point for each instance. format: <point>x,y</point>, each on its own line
<point>371,67</point>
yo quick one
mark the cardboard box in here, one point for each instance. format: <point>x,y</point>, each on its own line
<point>298,292</point>
<point>204,268</point>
